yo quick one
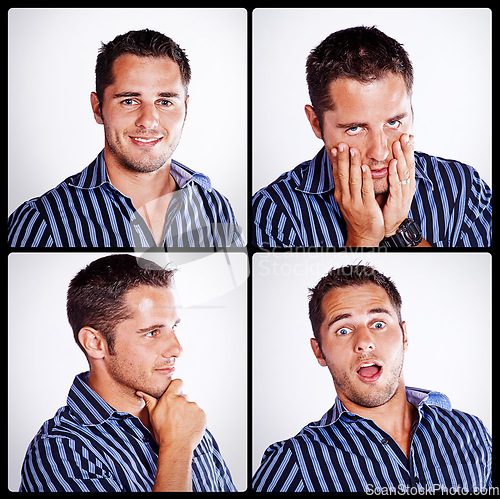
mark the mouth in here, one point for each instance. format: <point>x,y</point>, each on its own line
<point>382,172</point>
<point>369,371</point>
<point>168,369</point>
<point>145,141</point>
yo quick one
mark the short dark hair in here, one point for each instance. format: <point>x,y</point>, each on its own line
<point>349,275</point>
<point>144,43</point>
<point>362,53</point>
<point>96,295</point>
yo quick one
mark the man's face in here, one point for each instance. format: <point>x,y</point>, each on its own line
<point>367,116</point>
<point>146,347</point>
<point>143,112</point>
<point>362,344</point>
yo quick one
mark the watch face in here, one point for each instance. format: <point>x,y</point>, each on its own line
<point>412,232</point>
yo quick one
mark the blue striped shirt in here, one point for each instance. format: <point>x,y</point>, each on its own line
<point>86,210</point>
<point>90,447</point>
<point>345,452</point>
<point>452,205</point>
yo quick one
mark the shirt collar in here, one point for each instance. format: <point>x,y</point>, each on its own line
<point>416,396</point>
<point>318,176</point>
<point>96,174</point>
<point>88,406</point>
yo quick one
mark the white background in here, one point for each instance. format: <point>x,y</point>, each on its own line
<point>450,50</point>
<point>52,55</point>
<point>43,357</point>
<point>447,308</point>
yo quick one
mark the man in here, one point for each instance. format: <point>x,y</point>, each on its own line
<point>380,435</point>
<point>134,194</point>
<point>127,426</point>
<point>367,186</point>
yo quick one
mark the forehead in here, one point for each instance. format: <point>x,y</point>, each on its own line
<point>386,96</point>
<point>139,72</point>
<point>356,299</point>
<point>144,302</point>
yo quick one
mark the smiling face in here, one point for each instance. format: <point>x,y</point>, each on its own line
<point>362,344</point>
<point>368,116</point>
<point>143,112</point>
<point>145,345</point>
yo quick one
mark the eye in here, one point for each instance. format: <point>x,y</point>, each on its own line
<point>394,124</point>
<point>165,103</point>
<point>354,130</point>
<point>343,331</point>
<point>128,102</point>
<point>153,334</point>
<point>379,325</point>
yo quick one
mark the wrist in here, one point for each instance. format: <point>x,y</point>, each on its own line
<point>361,242</point>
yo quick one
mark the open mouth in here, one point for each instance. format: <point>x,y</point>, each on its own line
<point>369,371</point>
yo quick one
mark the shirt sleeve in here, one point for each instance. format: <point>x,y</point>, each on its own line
<point>210,472</point>
<point>279,470</point>
<point>62,464</point>
<point>476,227</point>
<point>271,226</point>
<point>27,228</point>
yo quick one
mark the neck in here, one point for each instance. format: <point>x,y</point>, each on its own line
<point>395,417</point>
<point>119,397</point>
<point>141,187</point>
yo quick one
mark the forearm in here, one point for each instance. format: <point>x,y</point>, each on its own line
<point>174,470</point>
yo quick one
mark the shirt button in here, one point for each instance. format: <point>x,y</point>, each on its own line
<point>384,441</point>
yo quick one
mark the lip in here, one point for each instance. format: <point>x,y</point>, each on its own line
<point>369,379</point>
<point>145,141</point>
<point>382,172</point>
<point>166,370</point>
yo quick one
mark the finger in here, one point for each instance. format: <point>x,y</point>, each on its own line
<point>342,175</point>
<point>175,386</point>
<point>408,148</point>
<point>394,179</point>
<point>148,399</point>
<point>355,180</point>
<point>367,186</point>
<point>402,168</point>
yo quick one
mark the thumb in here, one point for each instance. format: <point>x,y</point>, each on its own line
<point>148,399</point>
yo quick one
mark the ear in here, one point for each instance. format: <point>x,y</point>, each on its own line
<point>94,102</point>
<point>93,342</point>
<point>405,337</point>
<point>317,352</point>
<point>313,120</point>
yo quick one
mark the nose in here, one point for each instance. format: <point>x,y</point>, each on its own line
<point>378,146</point>
<point>171,346</point>
<point>364,341</point>
<point>147,117</point>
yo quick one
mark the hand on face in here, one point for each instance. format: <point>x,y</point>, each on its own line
<point>175,420</point>
<point>368,223</point>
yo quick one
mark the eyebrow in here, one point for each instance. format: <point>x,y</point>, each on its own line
<point>169,95</point>
<point>154,326</point>
<point>346,316</point>
<point>355,123</point>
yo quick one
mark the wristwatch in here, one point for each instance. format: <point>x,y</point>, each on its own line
<point>407,235</point>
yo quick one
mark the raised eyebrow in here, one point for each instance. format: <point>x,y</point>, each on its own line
<point>351,125</point>
<point>338,318</point>
<point>379,311</point>
<point>399,117</point>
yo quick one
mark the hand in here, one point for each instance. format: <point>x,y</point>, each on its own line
<point>176,422</point>
<point>400,197</point>
<point>355,196</point>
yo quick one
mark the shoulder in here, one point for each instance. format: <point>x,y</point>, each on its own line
<point>287,182</point>
<point>447,171</point>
